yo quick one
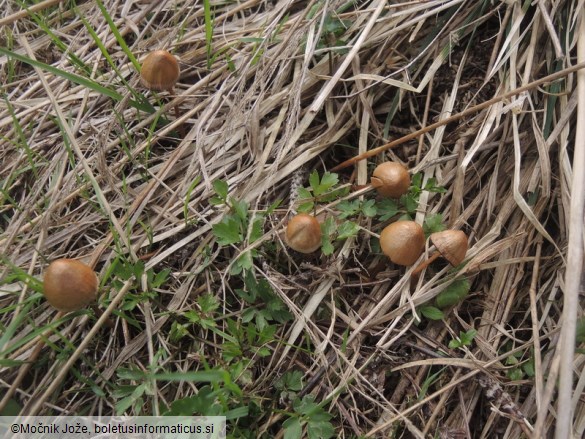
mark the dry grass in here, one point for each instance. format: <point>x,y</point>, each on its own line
<point>90,176</point>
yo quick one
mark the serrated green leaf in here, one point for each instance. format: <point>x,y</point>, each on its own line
<point>221,189</point>
<point>326,247</point>
<point>292,428</point>
<point>433,223</point>
<point>257,229</point>
<point>304,193</point>
<point>431,313</point>
<point>348,208</point>
<point>347,229</point>
<point>320,430</point>
<point>314,181</point>
<point>387,209</point>
<point>227,231</point>
<point>245,260</point>
<point>416,180</point>
<point>329,180</point>
<point>328,226</point>
<point>241,209</point>
<point>306,207</point>
<point>467,337</point>
<point>369,208</point>
<point>410,202</point>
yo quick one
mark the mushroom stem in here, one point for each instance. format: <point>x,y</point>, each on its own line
<point>178,114</point>
<point>425,264</point>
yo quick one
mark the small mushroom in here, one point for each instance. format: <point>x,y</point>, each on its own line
<point>391,179</point>
<point>160,71</point>
<point>69,285</point>
<point>451,244</point>
<point>303,233</point>
<point>403,242</point>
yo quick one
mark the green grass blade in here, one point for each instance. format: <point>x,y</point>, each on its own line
<point>118,36</point>
<point>208,30</point>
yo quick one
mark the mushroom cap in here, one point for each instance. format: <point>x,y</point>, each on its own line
<point>160,71</point>
<point>391,179</point>
<point>452,244</point>
<point>303,233</point>
<point>403,242</point>
<point>69,285</point>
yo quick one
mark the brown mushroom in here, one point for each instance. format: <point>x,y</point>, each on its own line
<point>303,233</point>
<point>403,242</point>
<point>391,179</point>
<point>451,244</point>
<point>69,285</point>
<point>160,71</point>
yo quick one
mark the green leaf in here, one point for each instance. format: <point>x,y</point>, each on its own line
<point>528,368</point>
<point>221,189</point>
<point>306,207</point>
<point>369,208</point>
<point>431,313</point>
<point>327,182</point>
<point>320,430</point>
<point>446,299</point>
<point>431,186</point>
<point>347,229</point>
<point>410,202</point>
<point>292,428</point>
<point>348,208</point>
<point>208,303</point>
<point>515,374</point>
<point>467,337</point>
<point>314,181</point>
<point>257,229</point>
<point>291,380</point>
<point>433,223</point>
<point>227,231</point>
<point>387,208</point>
<point>455,343</point>
<point>416,180</point>
<point>453,294</point>
<point>241,209</point>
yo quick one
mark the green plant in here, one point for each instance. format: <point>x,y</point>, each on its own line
<point>453,294</point>
<point>464,339</point>
<point>289,384</point>
<point>238,225</point>
<point>263,305</point>
<point>520,364</point>
<point>309,414</point>
<point>320,190</point>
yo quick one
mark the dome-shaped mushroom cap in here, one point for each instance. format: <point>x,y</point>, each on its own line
<point>303,233</point>
<point>160,71</point>
<point>403,242</point>
<point>452,244</point>
<point>390,179</point>
<point>69,285</point>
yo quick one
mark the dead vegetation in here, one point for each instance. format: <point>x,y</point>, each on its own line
<point>277,90</point>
